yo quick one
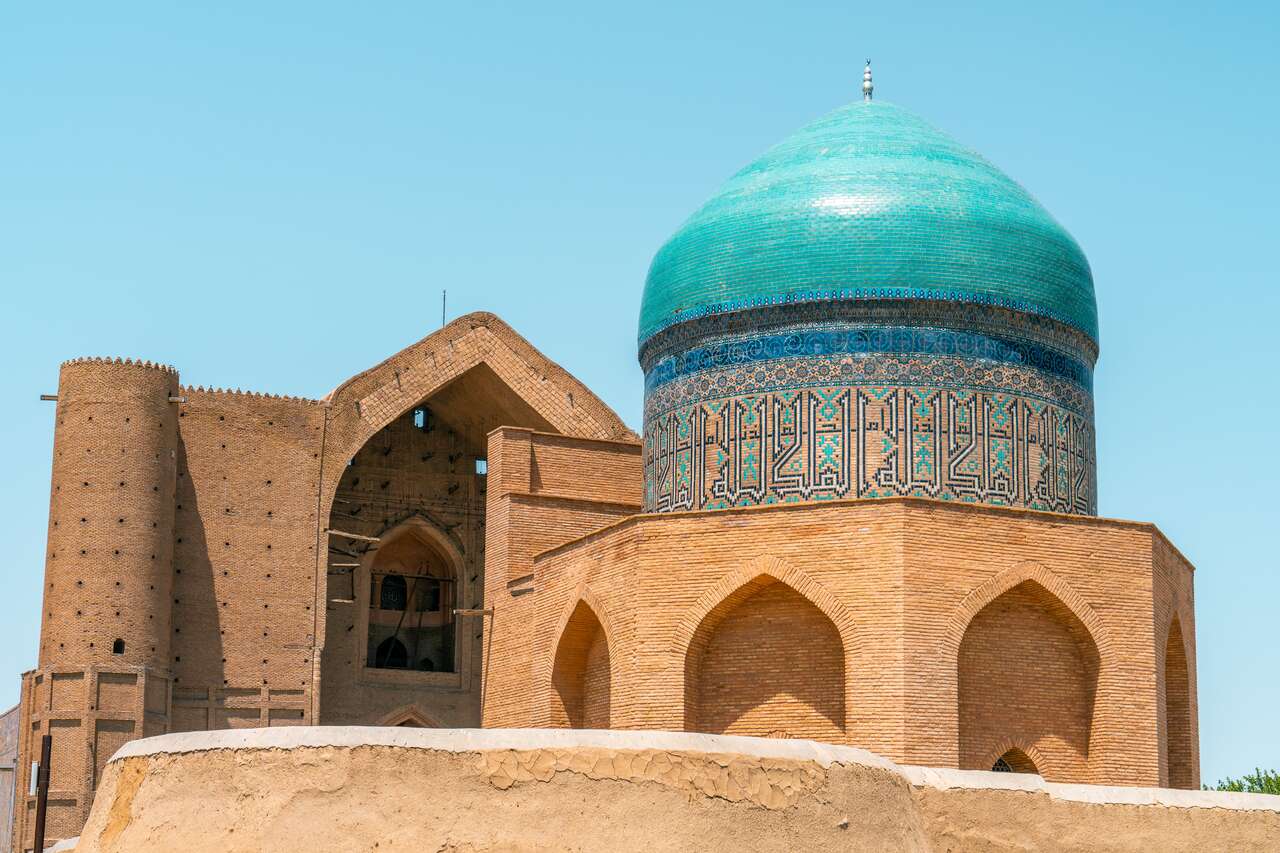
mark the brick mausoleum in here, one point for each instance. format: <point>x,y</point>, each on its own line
<point>863,510</point>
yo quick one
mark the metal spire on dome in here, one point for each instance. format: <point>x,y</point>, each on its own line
<point>867,87</point>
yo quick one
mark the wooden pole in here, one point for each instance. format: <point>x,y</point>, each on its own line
<point>42,788</point>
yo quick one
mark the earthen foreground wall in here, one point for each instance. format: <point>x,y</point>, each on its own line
<point>340,789</point>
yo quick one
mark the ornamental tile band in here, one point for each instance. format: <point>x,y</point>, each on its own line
<point>830,441</point>
<point>866,340</point>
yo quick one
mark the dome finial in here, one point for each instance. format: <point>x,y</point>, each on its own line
<point>867,87</point>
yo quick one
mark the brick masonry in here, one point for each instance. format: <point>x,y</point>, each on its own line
<point>933,633</point>
<point>193,526</point>
<point>189,524</point>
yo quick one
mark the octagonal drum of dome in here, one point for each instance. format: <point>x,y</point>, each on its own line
<point>869,309</point>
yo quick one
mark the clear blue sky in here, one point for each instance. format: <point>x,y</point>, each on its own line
<point>272,196</point>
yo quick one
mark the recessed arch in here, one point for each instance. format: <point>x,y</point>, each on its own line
<point>411,578</point>
<point>774,568</point>
<point>410,716</point>
<point>369,401</point>
<point>474,374</point>
<point>1006,580</point>
<point>1027,678</point>
<point>767,651</point>
<point>581,671</point>
<point>1179,754</point>
<point>1017,758</point>
<point>584,594</point>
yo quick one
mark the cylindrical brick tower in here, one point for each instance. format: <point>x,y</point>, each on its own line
<point>103,674</point>
<point>109,569</point>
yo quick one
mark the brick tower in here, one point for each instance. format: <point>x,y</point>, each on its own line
<point>102,677</point>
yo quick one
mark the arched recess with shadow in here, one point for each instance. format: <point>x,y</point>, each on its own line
<point>767,660</point>
<point>580,674</point>
<point>1027,670</point>
<point>408,438</point>
<point>1014,759</point>
<point>1177,710</point>
<point>412,584</point>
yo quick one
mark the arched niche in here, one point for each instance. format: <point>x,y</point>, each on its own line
<point>412,592</point>
<point>766,661</point>
<point>1014,760</point>
<point>1179,752</point>
<point>580,674</point>
<point>1028,672</point>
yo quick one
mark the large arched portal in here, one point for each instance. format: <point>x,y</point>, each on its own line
<point>412,498</point>
<point>766,662</point>
<point>1028,671</point>
<point>580,675</point>
<point>1177,710</point>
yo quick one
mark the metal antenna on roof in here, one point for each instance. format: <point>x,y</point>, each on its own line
<point>444,294</point>
<point>867,87</point>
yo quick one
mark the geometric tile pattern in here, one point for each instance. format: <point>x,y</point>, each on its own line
<point>864,421</point>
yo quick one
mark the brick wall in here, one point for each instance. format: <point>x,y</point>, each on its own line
<point>769,666</point>
<point>963,630</point>
<point>193,531</point>
<point>581,673</point>
<point>200,533</point>
<point>533,505</point>
<point>1028,675</point>
<point>103,673</point>
<point>244,579</point>
<point>406,473</point>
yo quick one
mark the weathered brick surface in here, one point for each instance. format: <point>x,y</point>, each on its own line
<point>1028,674</point>
<point>102,676</point>
<point>207,532</point>
<point>193,531</point>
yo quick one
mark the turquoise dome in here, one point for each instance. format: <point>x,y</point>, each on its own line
<point>869,202</point>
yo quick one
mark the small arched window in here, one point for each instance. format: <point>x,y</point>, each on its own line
<point>1014,761</point>
<point>117,648</point>
<point>395,593</point>
<point>391,654</point>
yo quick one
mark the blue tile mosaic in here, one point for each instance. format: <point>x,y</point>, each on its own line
<point>869,202</point>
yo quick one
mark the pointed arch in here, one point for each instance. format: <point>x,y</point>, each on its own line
<point>1179,753</point>
<point>1020,756</point>
<point>998,585</point>
<point>548,396</point>
<point>1028,653</point>
<point>410,716</point>
<point>582,668</point>
<point>584,594</point>
<point>427,531</point>
<point>745,672</point>
<point>471,376</point>
<point>745,580</point>
<point>407,618</point>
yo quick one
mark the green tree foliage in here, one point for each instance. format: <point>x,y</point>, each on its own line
<point>1257,782</point>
